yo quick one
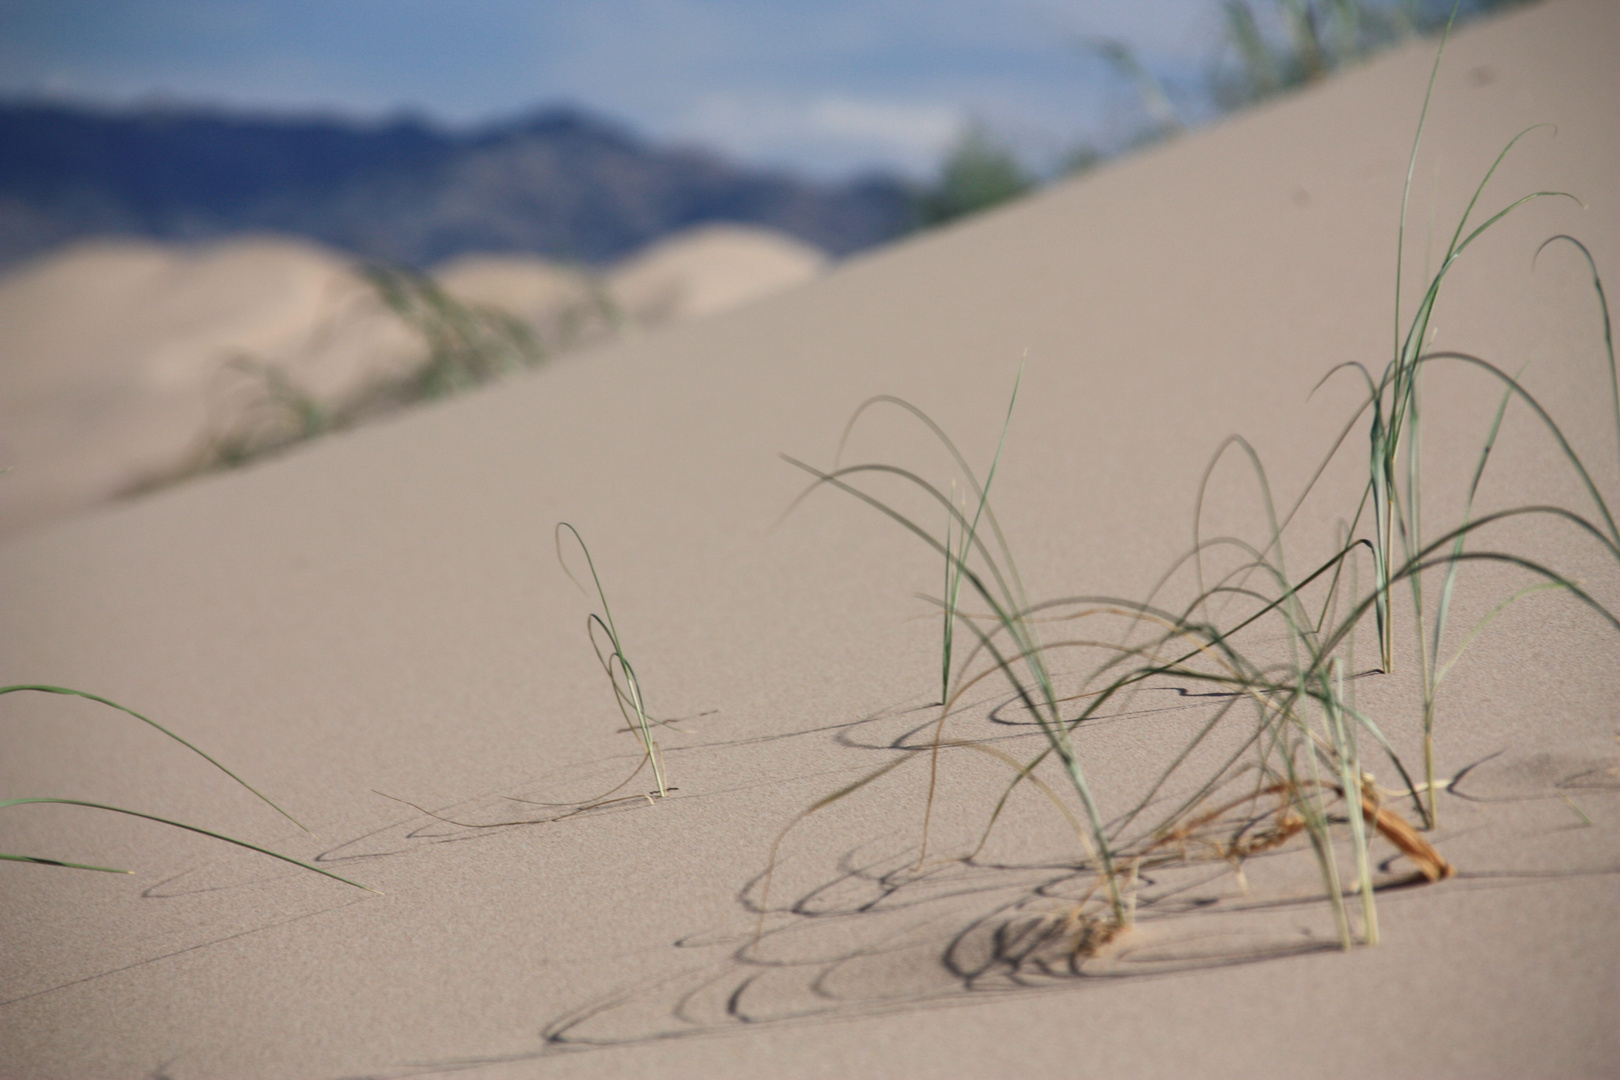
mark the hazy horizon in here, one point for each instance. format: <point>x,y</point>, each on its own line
<point>828,90</point>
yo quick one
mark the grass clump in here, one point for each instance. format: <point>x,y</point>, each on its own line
<point>1395,486</point>
<point>466,344</point>
<point>1285,752</point>
<point>977,173</point>
<point>1318,38</point>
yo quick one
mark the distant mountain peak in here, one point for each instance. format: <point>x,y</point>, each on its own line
<point>557,181</point>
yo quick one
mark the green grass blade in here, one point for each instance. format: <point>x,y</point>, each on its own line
<point>189,828</point>
<point>1411,167</point>
<point>631,690</point>
<point>1344,741</point>
<point>1547,421</point>
<point>58,862</point>
<point>955,576</point>
<point>147,720</point>
<point>1012,586</point>
<point>1608,327</point>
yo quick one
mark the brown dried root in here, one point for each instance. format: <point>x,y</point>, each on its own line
<point>1090,932</point>
<point>1087,930</point>
<point>1248,842</point>
<point>1287,824</point>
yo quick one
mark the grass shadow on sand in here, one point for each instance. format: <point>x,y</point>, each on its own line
<point>857,930</point>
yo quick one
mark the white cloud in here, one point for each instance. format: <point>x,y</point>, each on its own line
<point>829,86</point>
<point>829,134</point>
<point>916,128</point>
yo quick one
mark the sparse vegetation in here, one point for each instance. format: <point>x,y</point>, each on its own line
<point>616,665</point>
<point>1285,44</point>
<point>626,695</point>
<point>1273,646</point>
<point>46,861</point>
<point>464,345</point>
<point>1268,49</point>
<point>977,174</point>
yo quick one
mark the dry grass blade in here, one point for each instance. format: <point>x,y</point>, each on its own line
<point>1398,831</point>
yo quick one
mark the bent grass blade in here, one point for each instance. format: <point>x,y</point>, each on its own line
<point>4,803</point>
<point>45,861</point>
<point>627,695</point>
<point>44,689</point>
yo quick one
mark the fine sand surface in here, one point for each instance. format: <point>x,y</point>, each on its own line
<point>122,362</point>
<point>382,611</point>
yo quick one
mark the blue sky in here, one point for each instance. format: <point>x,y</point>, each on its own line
<point>828,87</point>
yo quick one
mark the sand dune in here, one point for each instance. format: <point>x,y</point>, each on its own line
<point>566,306</point>
<point>382,612</point>
<point>123,362</point>
<point>708,270</point>
<point>118,357</point>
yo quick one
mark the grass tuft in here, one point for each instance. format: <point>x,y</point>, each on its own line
<point>1274,647</point>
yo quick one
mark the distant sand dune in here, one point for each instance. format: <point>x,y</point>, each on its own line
<point>119,359</point>
<point>708,270</point>
<point>115,356</point>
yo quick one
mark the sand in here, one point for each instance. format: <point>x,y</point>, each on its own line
<point>382,612</point>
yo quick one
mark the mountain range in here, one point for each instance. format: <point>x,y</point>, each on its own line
<point>558,182</point>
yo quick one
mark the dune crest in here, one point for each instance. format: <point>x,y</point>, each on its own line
<point>125,363</point>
